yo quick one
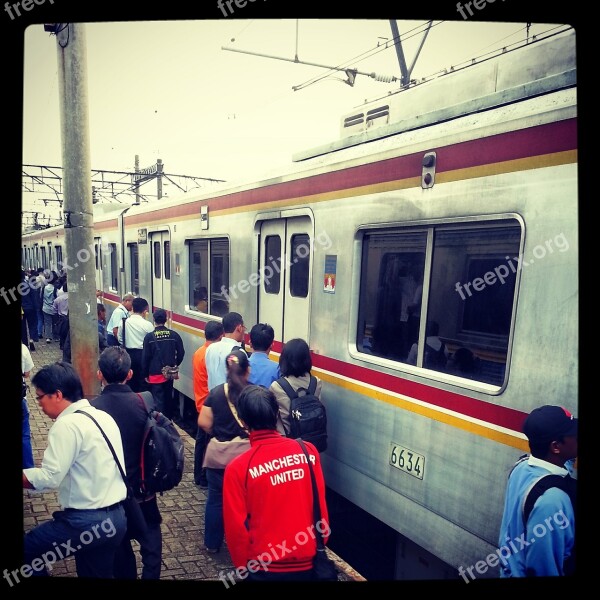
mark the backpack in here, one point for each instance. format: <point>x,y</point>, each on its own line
<point>162,457</point>
<point>308,417</point>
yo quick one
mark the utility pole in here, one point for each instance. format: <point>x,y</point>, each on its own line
<point>78,211</point>
<point>159,173</point>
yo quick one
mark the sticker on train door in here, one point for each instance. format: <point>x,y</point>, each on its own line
<point>329,276</point>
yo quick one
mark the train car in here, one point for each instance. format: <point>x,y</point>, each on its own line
<point>429,257</point>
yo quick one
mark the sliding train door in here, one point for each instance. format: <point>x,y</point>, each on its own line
<point>160,245</point>
<point>285,267</point>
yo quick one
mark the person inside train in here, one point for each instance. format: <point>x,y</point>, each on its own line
<point>435,353</point>
<point>463,363</point>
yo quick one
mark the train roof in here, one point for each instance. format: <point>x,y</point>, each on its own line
<point>532,69</point>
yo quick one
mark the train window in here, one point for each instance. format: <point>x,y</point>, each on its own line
<point>471,298</point>
<point>96,257</point>
<point>470,294</point>
<point>114,271</point>
<point>167,256</point>
<point>134,268</point>
<point>209,270</point>
<point>272,264</point>
<point>58,256</point>
<point>299,265</point>
<point>156,253</point>
<point>391,290</point>
<point>43,257</point>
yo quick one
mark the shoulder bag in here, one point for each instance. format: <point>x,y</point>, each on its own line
<point>136,522</point>
<point>323,567</point>
<point>219,454</point>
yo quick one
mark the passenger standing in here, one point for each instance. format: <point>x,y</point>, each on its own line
<point>264,370</point>
<point>129,412</point>
<point>131,334</point>
<point>102,345</point>
<point>552,435</point>
<point>61,305</point>
<point>219,419</point>
<point>29,305</point>
<point>79,463</point>
<point>295,365</point>
<point>119,313</point>
<point>49,311</point>
<point>266,510</point>
<point>161,348</point>
<point>26,367</point>
<point>233,336</point>
<point>213,332</point>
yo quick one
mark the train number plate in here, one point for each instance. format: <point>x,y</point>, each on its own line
<point>406,460</point>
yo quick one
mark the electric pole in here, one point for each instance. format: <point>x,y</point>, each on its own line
<point>78,211</point>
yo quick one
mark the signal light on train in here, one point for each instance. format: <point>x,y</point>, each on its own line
<point>428,174</point>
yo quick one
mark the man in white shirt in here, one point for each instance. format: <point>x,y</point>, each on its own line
<point>116,318</point>
<point>233,336</point>
<point>79,464</point>
<point>132,339</point>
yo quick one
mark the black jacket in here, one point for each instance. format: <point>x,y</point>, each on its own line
<point>163,347</point>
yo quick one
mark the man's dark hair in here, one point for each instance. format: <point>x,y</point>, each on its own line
<point>231,320</point>
<point>139,305</point>
<point>262,336</point>
<point>59,376</point>
<point>295,358</point>
<point>160,316</point>
<point>213,331</point>
<point>114,364</point>
<point>258,408</point>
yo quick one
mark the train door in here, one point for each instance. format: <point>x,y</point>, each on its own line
<point>284,293</point>
<point>160,243</point>
<point>98,265</point>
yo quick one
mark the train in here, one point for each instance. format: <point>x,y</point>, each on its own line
<point>429,256</point>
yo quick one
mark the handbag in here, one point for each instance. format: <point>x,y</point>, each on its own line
<point>219,454</point>
<point>136,522</point>
<point>170,373</point>
<point>323,567</point>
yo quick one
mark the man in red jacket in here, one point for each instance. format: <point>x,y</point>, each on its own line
<point>268,498</point>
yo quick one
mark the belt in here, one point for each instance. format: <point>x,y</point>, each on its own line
<point>106,508</point>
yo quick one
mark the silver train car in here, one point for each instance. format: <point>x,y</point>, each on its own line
<point>429,257</point>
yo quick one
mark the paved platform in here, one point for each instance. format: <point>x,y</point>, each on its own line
<point>182,509</point>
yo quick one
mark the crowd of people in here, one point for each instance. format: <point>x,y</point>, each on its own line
<point>242,456</point>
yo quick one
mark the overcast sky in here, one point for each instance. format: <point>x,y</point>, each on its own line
<point>168,90</point>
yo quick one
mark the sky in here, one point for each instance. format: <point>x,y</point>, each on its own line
<point>168,89</point>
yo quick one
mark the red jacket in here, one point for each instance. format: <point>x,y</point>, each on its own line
<point>268,505</point>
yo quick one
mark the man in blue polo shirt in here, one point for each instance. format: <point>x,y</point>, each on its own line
<point>264,371</point>
<point>542,543</point>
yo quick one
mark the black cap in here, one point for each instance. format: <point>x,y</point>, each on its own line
<point>548,423</point>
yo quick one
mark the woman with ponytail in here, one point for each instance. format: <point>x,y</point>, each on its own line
<point>219,419</point>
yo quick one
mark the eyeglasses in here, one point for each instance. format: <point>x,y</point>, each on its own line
<point>38,397</point>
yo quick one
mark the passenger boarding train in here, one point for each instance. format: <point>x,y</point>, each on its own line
<point>429,257</point>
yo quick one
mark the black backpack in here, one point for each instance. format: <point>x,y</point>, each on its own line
<point>308,417</point>
<point>162,458</point>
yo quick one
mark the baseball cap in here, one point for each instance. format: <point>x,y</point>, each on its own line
<point>548,423</point>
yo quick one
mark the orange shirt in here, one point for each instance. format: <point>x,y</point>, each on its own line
<point>200,375</point>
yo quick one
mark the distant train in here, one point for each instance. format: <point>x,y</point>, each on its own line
<point>430,259</point>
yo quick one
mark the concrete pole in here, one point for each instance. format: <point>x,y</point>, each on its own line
<point>159,172</point>
<point>78,212</point>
